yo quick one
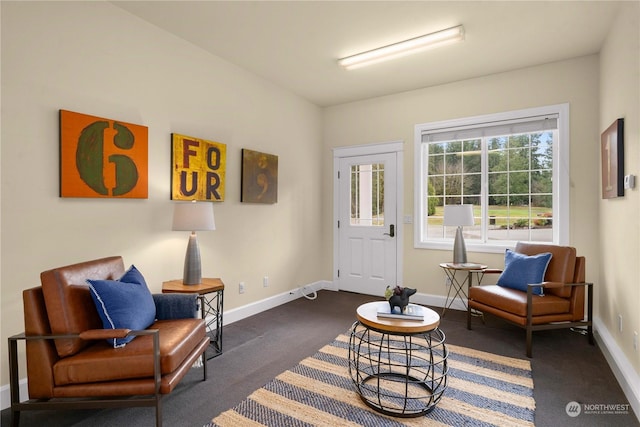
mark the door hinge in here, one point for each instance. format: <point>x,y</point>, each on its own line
<point>338,224</point>
<point>338,174</point>
<point>338,273</point>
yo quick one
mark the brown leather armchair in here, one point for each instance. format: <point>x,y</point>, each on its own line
<point>561,305</point>
<point>70,364</point>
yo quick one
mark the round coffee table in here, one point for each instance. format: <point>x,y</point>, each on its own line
<point>398,366</point>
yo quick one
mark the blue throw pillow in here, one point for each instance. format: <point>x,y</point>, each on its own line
<point>126,303</point>
<point>521,270</point>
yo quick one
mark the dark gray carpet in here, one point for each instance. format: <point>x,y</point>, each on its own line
<point>255,350</point>
<point>479,387</point>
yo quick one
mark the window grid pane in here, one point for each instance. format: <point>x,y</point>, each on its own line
<point>519,202</point>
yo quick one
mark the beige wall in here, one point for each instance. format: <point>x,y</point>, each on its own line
<point>97,59</point>
<point>618,284</point>
<point>393,118</point>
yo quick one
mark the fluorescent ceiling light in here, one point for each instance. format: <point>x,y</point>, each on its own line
<point>428,41</point>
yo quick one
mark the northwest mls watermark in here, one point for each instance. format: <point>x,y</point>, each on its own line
<point>575,409</point>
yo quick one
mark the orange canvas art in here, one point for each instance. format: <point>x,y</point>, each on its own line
<point>102,157</point>
<point>198,169</point>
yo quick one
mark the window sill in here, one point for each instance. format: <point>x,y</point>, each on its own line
<point>471,247</point>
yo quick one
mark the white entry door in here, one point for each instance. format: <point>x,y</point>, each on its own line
<point>367,226</point>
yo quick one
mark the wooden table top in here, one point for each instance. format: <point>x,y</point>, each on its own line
<point>471,266</point>
<point>367,314</point>
<point>206,286</point>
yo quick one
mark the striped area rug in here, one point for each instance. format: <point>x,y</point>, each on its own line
<point>483,389</point>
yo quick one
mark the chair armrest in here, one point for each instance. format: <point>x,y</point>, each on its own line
<point>553,285</point>
<point>92,334</point>
<point>110,334</point>
<point>586,284</point>
<point>176,306</point>
<point>492,271</point>
<point>98,334</point>
<point>530,288</point>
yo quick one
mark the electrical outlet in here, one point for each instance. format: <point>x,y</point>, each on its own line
<point>620,322</point>
<point>635,340</point>
<point>265,281</point>
<point>241,288</point>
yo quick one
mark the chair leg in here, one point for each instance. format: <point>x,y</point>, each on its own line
<point>204,365</point>
<point>529,321</point>
<point>14,382</point>
<point>159,411</point>
<point>590,313</point>
<point>468,316</point>
<point>15,418</point>
<point>529,341</point>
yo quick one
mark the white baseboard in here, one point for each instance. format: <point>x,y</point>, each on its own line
<point>5,394</point>
<point>248,310</point>
<point>438,301</point>
<point>627,377</point>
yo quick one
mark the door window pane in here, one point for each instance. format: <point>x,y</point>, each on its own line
<point>367,195</point>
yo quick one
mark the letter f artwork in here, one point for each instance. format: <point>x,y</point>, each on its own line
<point>198,169</point>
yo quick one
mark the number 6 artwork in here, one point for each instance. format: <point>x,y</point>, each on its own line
<point>102,157</point>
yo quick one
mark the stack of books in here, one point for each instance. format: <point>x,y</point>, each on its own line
<point>414,312</point>
<point>465,265</point>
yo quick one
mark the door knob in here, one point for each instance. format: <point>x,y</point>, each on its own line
<point>392,231</point>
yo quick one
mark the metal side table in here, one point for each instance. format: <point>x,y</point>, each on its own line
<point>399,367</point>
<point>212,292</point>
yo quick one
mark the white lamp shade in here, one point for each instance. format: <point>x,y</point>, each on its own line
<point>193,216</point>
<point>458,215</point>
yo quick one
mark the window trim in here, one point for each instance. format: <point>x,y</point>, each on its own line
<point>561,163</point>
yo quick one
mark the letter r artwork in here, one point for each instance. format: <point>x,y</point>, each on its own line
<point>198,169</point>
<point>102,157</point>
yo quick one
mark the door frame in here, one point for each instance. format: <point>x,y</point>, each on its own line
<point>396,147</point>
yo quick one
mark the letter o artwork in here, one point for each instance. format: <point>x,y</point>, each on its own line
<point>102,157</point>
<point>198,169</point>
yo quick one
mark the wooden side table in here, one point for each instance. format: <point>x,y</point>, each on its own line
<point>399,367</point>
<point>212,292</point>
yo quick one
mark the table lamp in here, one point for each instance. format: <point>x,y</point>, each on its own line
<point>458,216</point>
<point>193,216</point>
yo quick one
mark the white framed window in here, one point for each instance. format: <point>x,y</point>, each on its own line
<point>513,167</point>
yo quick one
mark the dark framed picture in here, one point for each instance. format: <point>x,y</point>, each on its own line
<point>612,158</point>
<point>259,177</point>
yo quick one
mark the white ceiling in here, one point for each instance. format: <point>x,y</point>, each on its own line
<point>295,44</point>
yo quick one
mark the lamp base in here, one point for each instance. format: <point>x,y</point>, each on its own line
<point>192,270</point>
<point>459,248</point>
